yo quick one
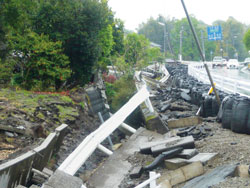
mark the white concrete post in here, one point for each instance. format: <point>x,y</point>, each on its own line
<point>152,183</point>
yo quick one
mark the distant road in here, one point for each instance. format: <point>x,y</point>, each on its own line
<point>231,73</point>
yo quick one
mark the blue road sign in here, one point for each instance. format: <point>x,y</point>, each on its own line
<point>214,33</point>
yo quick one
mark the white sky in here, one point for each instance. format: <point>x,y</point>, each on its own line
<point>134,12</point>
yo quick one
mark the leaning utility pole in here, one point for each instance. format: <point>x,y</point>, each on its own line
<point>203,45</point>
<point>199,48</point>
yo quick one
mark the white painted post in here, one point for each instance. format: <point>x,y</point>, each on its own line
<point>152,183</point>
<point>149,105</point>
<point>148,181</point>
<point>104,149</point>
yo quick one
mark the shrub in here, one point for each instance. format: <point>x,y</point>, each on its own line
<point>124,89</point>
<point>41,64</point>
<point>6,71</point>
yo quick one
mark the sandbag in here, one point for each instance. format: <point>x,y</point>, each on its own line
<point>227,107</point>
<point>215,106</point>
<point>206,106</point>
<point>240,115</point>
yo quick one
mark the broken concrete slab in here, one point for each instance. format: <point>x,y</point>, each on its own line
<point>177,107</point>
<point>188,153</point>
<point>136,172</point>
<point>145,148</point>
<point>175,163</point>
<point>182,174</point>
<point>216,176</point>
<point>113,170</point>
<point>184,122</point>
<point>185,143</point>
<point>203,157</point>
<point>242,171</point>
<point>185,96</point>
<point>63,180</point>
<point>160,158</point>
<point>153,121</point>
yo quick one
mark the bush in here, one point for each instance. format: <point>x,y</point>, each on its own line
<point>41,64</point>
<point>124,89</point>
<point>6,71</point>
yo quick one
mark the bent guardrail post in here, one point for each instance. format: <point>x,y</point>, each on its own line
<point>78,157</point>
<point>200,51</point>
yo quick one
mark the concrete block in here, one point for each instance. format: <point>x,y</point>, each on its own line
<point>185,143</point>
<point>145,148</point>
<point>183,174</point>
<point>63,180</point>
<point>184,122</point>
<point>154,123</point>
<point>136,172</point>
<point>188,153</point>
<point>165,184</point>
<point>175,163</point>
<point>242,171</point>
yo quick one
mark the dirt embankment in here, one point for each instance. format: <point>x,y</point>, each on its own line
<point>26,118</point>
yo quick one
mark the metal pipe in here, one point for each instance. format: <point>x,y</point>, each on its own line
<point>200,51</point>
<point>109,139</point>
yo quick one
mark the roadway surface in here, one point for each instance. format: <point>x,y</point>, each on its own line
<point>232,73</point>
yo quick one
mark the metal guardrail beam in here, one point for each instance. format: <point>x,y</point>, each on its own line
<point>223,83</point>
<point>77,158</point>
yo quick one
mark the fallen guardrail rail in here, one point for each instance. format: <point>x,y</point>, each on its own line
<point>18,171</point>
<point>78,157</point>
<point>223,83</point>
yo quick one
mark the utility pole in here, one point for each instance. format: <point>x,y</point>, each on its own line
<point>203,45</point>
<point>164,37</point>
<point>199,48</point>
<point>180,55</point>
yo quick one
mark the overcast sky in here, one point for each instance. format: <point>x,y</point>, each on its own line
<point>134,12</point>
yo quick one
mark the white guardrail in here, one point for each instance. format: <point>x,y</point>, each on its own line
<point>223,83</point>
<point>78,157</point>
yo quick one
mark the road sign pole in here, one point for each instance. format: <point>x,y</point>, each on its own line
<point>199,48</point>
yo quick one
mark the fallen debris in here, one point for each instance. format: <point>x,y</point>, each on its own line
<point>146,147</point>
<point>188,153</point>
<point>216,176</point>
<point>185,143</point>
<point>184,122</point>
<point>242,171</point>
<point>183,174</point>
<point>160,158</point>
<point>175,163</point>
<point>136,172</point>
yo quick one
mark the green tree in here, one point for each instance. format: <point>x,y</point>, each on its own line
<point>40,62</point>
<point>247,39</point>
<point>84,29</point>
<point>135,48</point>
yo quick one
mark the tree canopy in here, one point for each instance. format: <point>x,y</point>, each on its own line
<point>231,45</point>
<point>247,39</point>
